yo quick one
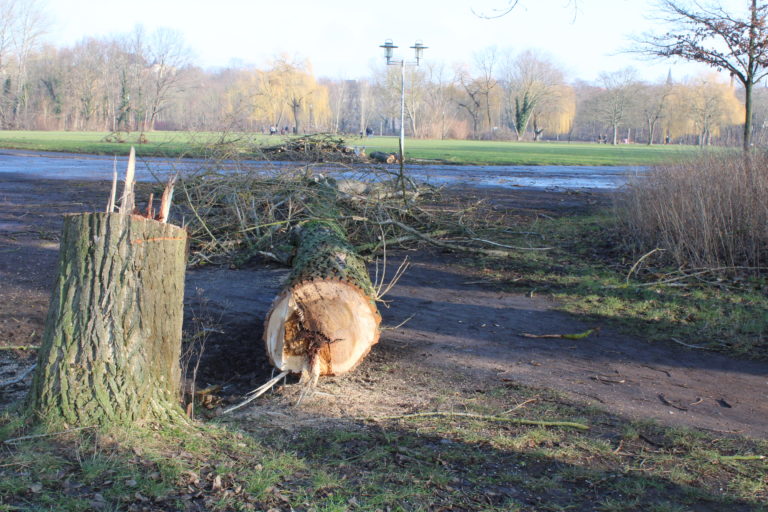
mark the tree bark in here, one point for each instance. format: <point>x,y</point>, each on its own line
<point>747,115</point>
<point>112,339</point>
<point>325,321</point>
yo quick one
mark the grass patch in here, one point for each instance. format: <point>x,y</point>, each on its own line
<point>416,463</point>
<point>468,152</point>
<point>528,153</point>
<point>587,272</point>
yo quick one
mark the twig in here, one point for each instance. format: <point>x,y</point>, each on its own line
<point>638,262</point>
<point>400,324</point>
<point>20,347</point>
<point>20,378</point>
<point>16,440</point>
<point>521,405</point>
<point>601,378</point>
<point>666,402</point>
<point>704,347</point>
<point>256,393</point>
<point>577,336</point>
<point>491,242</point>
<point>518,421</point>
<point>453,247</point>
<point>697,272</point>
<point>743,457</point>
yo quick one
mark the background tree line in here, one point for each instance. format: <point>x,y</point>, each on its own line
<point>143,81</point>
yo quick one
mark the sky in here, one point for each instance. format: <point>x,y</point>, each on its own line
<point>341,38</point>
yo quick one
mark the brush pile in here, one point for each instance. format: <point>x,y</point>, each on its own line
<point>235,217</point>
<point>314,148</point>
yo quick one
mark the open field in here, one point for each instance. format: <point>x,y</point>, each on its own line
<point>175,144</point>
<point>529,153</point>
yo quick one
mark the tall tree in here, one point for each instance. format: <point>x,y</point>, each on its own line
<point>703,107</point>
<point>712,35</point>
<point>653,103</point>
<point>168,58</point>
<point>486,62</point>
<point>471,98</point>
<point>617,98</point>
<point>531,80</point>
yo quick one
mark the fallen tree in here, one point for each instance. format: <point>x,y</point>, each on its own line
<point>112,339</point>
<point>325,321</point>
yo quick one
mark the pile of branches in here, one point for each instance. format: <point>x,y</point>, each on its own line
<point>234,217</point>
<point>314,148</point>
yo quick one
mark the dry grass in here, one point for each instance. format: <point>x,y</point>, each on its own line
<point>709,213</point>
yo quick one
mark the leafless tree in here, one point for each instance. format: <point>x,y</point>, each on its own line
<point>168,57</point>
<point>486,62</point>
<point>719,38</point>
<point>22,24</point>
<point>617,97</point>
<point>508,6</point>
<point>471,98</point>
<point>529,80</point>
<point>653,103</point>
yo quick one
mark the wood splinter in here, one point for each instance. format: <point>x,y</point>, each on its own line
<point>128,199</point>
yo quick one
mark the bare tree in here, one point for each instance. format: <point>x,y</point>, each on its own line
<point>439,99</point>
<point>168,56</point>
<point>719,38</point>
<point>22,24</point>
<point>530,80</point>
<point>485,62</point>
<point>653,103</point>
<point>616,100</point>
<point>471,99</point>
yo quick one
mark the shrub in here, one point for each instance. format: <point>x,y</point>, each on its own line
<point>706,213</point>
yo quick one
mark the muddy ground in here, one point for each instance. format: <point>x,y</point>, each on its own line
<point>459,326</point>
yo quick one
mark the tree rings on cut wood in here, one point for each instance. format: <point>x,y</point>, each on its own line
<point>325,321</point>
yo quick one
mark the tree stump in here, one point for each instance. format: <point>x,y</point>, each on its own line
<point>112,339</point>
<point>325,320</point>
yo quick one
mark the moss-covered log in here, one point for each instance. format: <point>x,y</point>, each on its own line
<point>325,320</point>
<point>112,340</point>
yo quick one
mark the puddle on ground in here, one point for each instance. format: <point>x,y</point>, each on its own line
<point>95,167</point>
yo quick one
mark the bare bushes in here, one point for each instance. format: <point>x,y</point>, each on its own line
<point>708,213</point>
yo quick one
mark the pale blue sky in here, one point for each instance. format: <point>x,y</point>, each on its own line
<point>341,37</point>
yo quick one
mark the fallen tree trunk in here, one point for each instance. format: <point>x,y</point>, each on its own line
<point>325,320</point>
<point>112,339</point>
<point>385,158</point>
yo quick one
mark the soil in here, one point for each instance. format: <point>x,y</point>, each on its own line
<point>442,318</point>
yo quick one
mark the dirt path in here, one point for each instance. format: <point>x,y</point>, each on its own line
<point>458,325</point>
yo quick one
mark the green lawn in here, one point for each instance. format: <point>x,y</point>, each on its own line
<point>172,144</point>
<point>530,153</point>
<point>176,144</point>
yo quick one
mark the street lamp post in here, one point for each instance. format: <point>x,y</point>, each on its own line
<point>418,49</point>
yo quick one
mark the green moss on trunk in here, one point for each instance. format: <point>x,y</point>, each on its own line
<point>112,340</point>
<point>323,252</point>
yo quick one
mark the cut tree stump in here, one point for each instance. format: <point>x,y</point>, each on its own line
<point>112,339</point>
<point>325,320</point>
